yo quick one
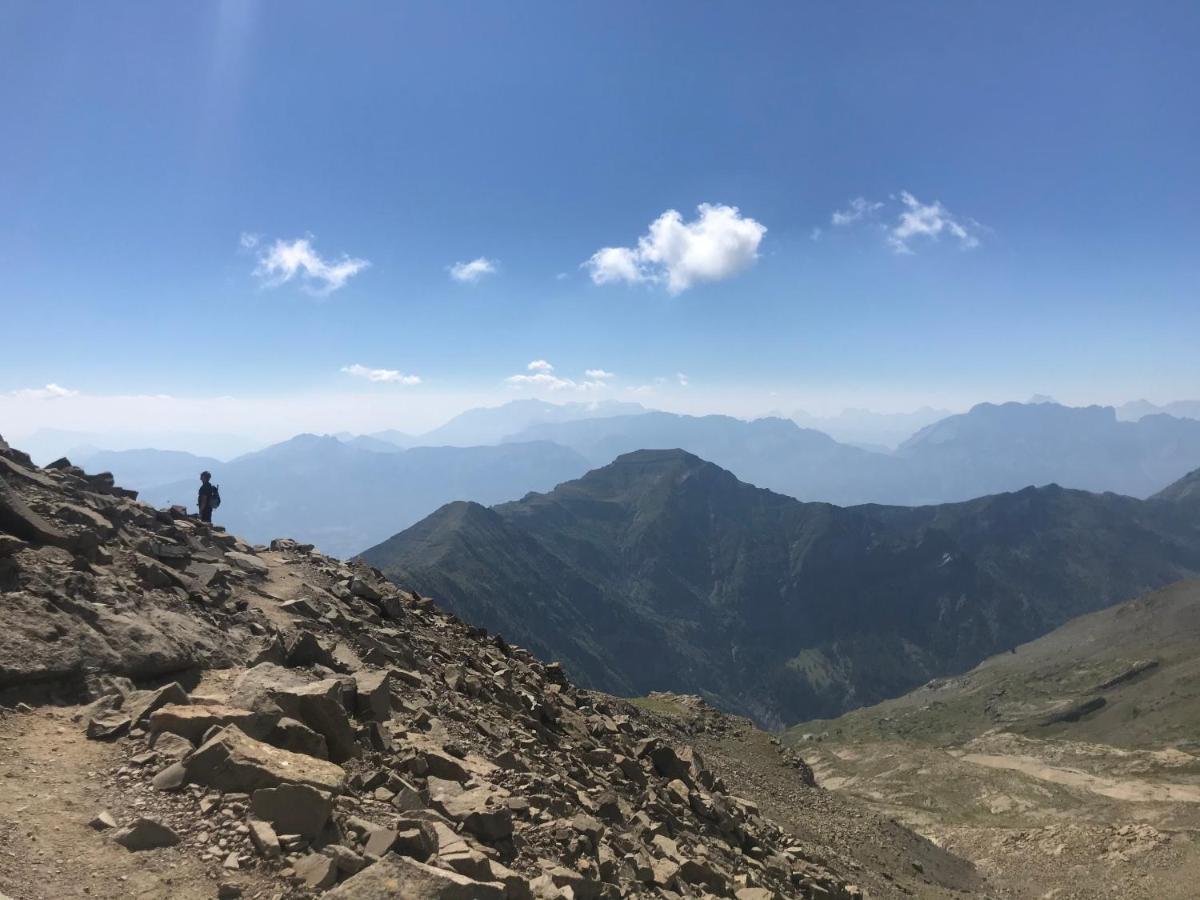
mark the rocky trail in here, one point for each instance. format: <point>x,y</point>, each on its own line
<point>53,781</point>
<point>186,715</point>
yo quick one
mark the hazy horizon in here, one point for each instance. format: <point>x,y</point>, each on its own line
<point>60,433</point>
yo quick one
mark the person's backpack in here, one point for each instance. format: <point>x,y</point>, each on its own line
<point>215,500</point>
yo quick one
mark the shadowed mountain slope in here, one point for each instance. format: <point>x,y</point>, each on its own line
<point>1128,675</point>
<point>661,571</point>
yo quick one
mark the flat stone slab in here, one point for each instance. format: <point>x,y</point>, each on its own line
<point>193,722</point>
<point>233,761</point>
<point>400,878</point>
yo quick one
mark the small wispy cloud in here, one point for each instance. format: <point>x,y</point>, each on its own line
<point>914,221</point>
<point>49,392</point>
<point>540,379</point>
<point>381,376</point>
<point>717,244</point>
<point>543,377</point>
<point>929,220</point>
<point>285,261</point>
<point>858,209</point>
<point>660,384</point>
<point>473,271</point>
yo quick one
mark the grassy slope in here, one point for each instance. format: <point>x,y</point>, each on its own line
<point>1019,691</point>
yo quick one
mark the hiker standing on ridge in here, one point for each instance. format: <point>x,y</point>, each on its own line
<point>209,497</point>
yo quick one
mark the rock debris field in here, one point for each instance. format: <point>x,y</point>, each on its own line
<point>272,722</point>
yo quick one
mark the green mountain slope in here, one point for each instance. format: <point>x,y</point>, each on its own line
<point>1128,675</point>
<point>664,572</point>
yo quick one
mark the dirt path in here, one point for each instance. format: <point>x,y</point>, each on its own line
<point>1132,789</point>
<point>52,782</point>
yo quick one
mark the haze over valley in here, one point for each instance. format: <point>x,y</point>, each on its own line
<point>360,489</point>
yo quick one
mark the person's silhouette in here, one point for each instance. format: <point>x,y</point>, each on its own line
<point>208,491</point>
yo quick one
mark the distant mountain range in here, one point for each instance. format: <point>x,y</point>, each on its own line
<point>774,453</point>
<point>359,499</point>
<point>342,497</point>
<point>866,428</point>
<point>148,468</point>
<point>493,424</point>
<point>999,448</point>
<point>663,571</point>
<point>1137,409</point>
<point>990,449</point>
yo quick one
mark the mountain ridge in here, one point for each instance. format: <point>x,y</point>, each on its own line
<point>992,448</point>
<point>664,571</point>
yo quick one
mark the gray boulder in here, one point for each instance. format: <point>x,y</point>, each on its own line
<point>292,809</point>
<point>145,834</point>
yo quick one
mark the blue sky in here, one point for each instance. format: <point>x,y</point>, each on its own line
<point>162,160</point>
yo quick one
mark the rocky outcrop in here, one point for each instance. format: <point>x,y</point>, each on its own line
<point>1072,711</point>
<point>363,742</point>
<point>95,582</point>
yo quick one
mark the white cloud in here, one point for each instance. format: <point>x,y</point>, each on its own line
<point>614,264</point>
<point>382,376</point>
<point>717,244</point>
<point>682,379</point>
<point>914,220</point>
<point>920,220</point>
<point>249,240</point>
<point>49,392</point>
<point>471,272</point>
<point>860,208</point>
<point>287,260</point>
<point>541,379</point>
